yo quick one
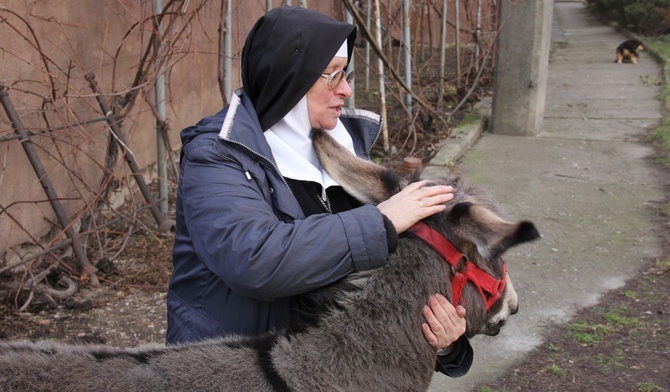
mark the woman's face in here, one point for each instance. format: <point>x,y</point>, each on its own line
<point>323,104</point>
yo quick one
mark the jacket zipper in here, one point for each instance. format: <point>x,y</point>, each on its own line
<point>266,159</point>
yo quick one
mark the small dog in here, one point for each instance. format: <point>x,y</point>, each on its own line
<point>627,51</point>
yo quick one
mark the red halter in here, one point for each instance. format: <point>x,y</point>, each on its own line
<point>489,287</point>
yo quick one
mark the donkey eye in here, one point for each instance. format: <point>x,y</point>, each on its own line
<point>483,251</point>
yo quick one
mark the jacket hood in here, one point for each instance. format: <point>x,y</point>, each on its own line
<point>285,53</point>
<point>241,112</point>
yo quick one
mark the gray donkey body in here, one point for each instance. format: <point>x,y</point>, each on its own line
<point>363,333</point>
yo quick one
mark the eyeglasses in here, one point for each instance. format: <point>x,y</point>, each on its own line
<point>335,78</point>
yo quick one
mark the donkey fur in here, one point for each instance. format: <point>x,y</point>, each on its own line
<point>363,335</point>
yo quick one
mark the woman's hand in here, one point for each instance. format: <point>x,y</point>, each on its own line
<point>415,202</point>
<point>444,322</point>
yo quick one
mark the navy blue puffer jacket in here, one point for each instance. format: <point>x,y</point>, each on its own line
<point>243,247</point>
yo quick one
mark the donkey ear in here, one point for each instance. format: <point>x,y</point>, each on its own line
<point>492,235</point>
<point>524,231</point>
<point>366,181</point>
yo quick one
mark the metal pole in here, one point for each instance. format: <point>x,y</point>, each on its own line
<point>478,34</point>
<point>49,190</point>
<point>351,102</point>
<point>228,52</point>
<point>161,149</point>
<point>268,5</point>
<point>382,89</point>
<point>408,54</point>
<point>458,43</point>
<point>367,47</point>
<point>443,49</point>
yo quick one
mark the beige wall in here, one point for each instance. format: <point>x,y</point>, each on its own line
<point>49,45</point>
<point>46,48</point>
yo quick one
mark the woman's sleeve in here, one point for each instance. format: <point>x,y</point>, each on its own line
<point>457,363</point>
<point>236,233</point>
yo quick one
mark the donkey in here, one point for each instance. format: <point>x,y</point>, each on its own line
<point>363,335</point>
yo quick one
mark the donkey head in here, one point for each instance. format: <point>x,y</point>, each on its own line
<point>472,223</point>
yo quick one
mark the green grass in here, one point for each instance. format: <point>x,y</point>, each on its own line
<point>587,337</point>
<point>660,45</point>
<point>611,361</point>
<point>585,333</point>
<point>556,370</point>
<point>470,118</point>
<point>661,135</point>
<point>613,318</point>
<point>632,295</point>
<point>647,387</point>
<point>663,265</point>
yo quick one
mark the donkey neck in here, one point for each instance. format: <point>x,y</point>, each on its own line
<point>375,336</point>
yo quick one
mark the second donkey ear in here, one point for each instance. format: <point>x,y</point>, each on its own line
<point>491,234</point>
<point>365,180</point>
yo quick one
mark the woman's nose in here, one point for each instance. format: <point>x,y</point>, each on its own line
<point>344,89</point>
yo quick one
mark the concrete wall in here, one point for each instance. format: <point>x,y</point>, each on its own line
<point>521,67</point>
<point>46,48</point>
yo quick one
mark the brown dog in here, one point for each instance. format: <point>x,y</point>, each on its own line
<point>627,51</point>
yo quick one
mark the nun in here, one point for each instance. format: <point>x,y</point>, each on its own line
<point>258,220</point>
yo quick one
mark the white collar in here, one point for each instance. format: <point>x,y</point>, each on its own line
<point>292,148</point>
